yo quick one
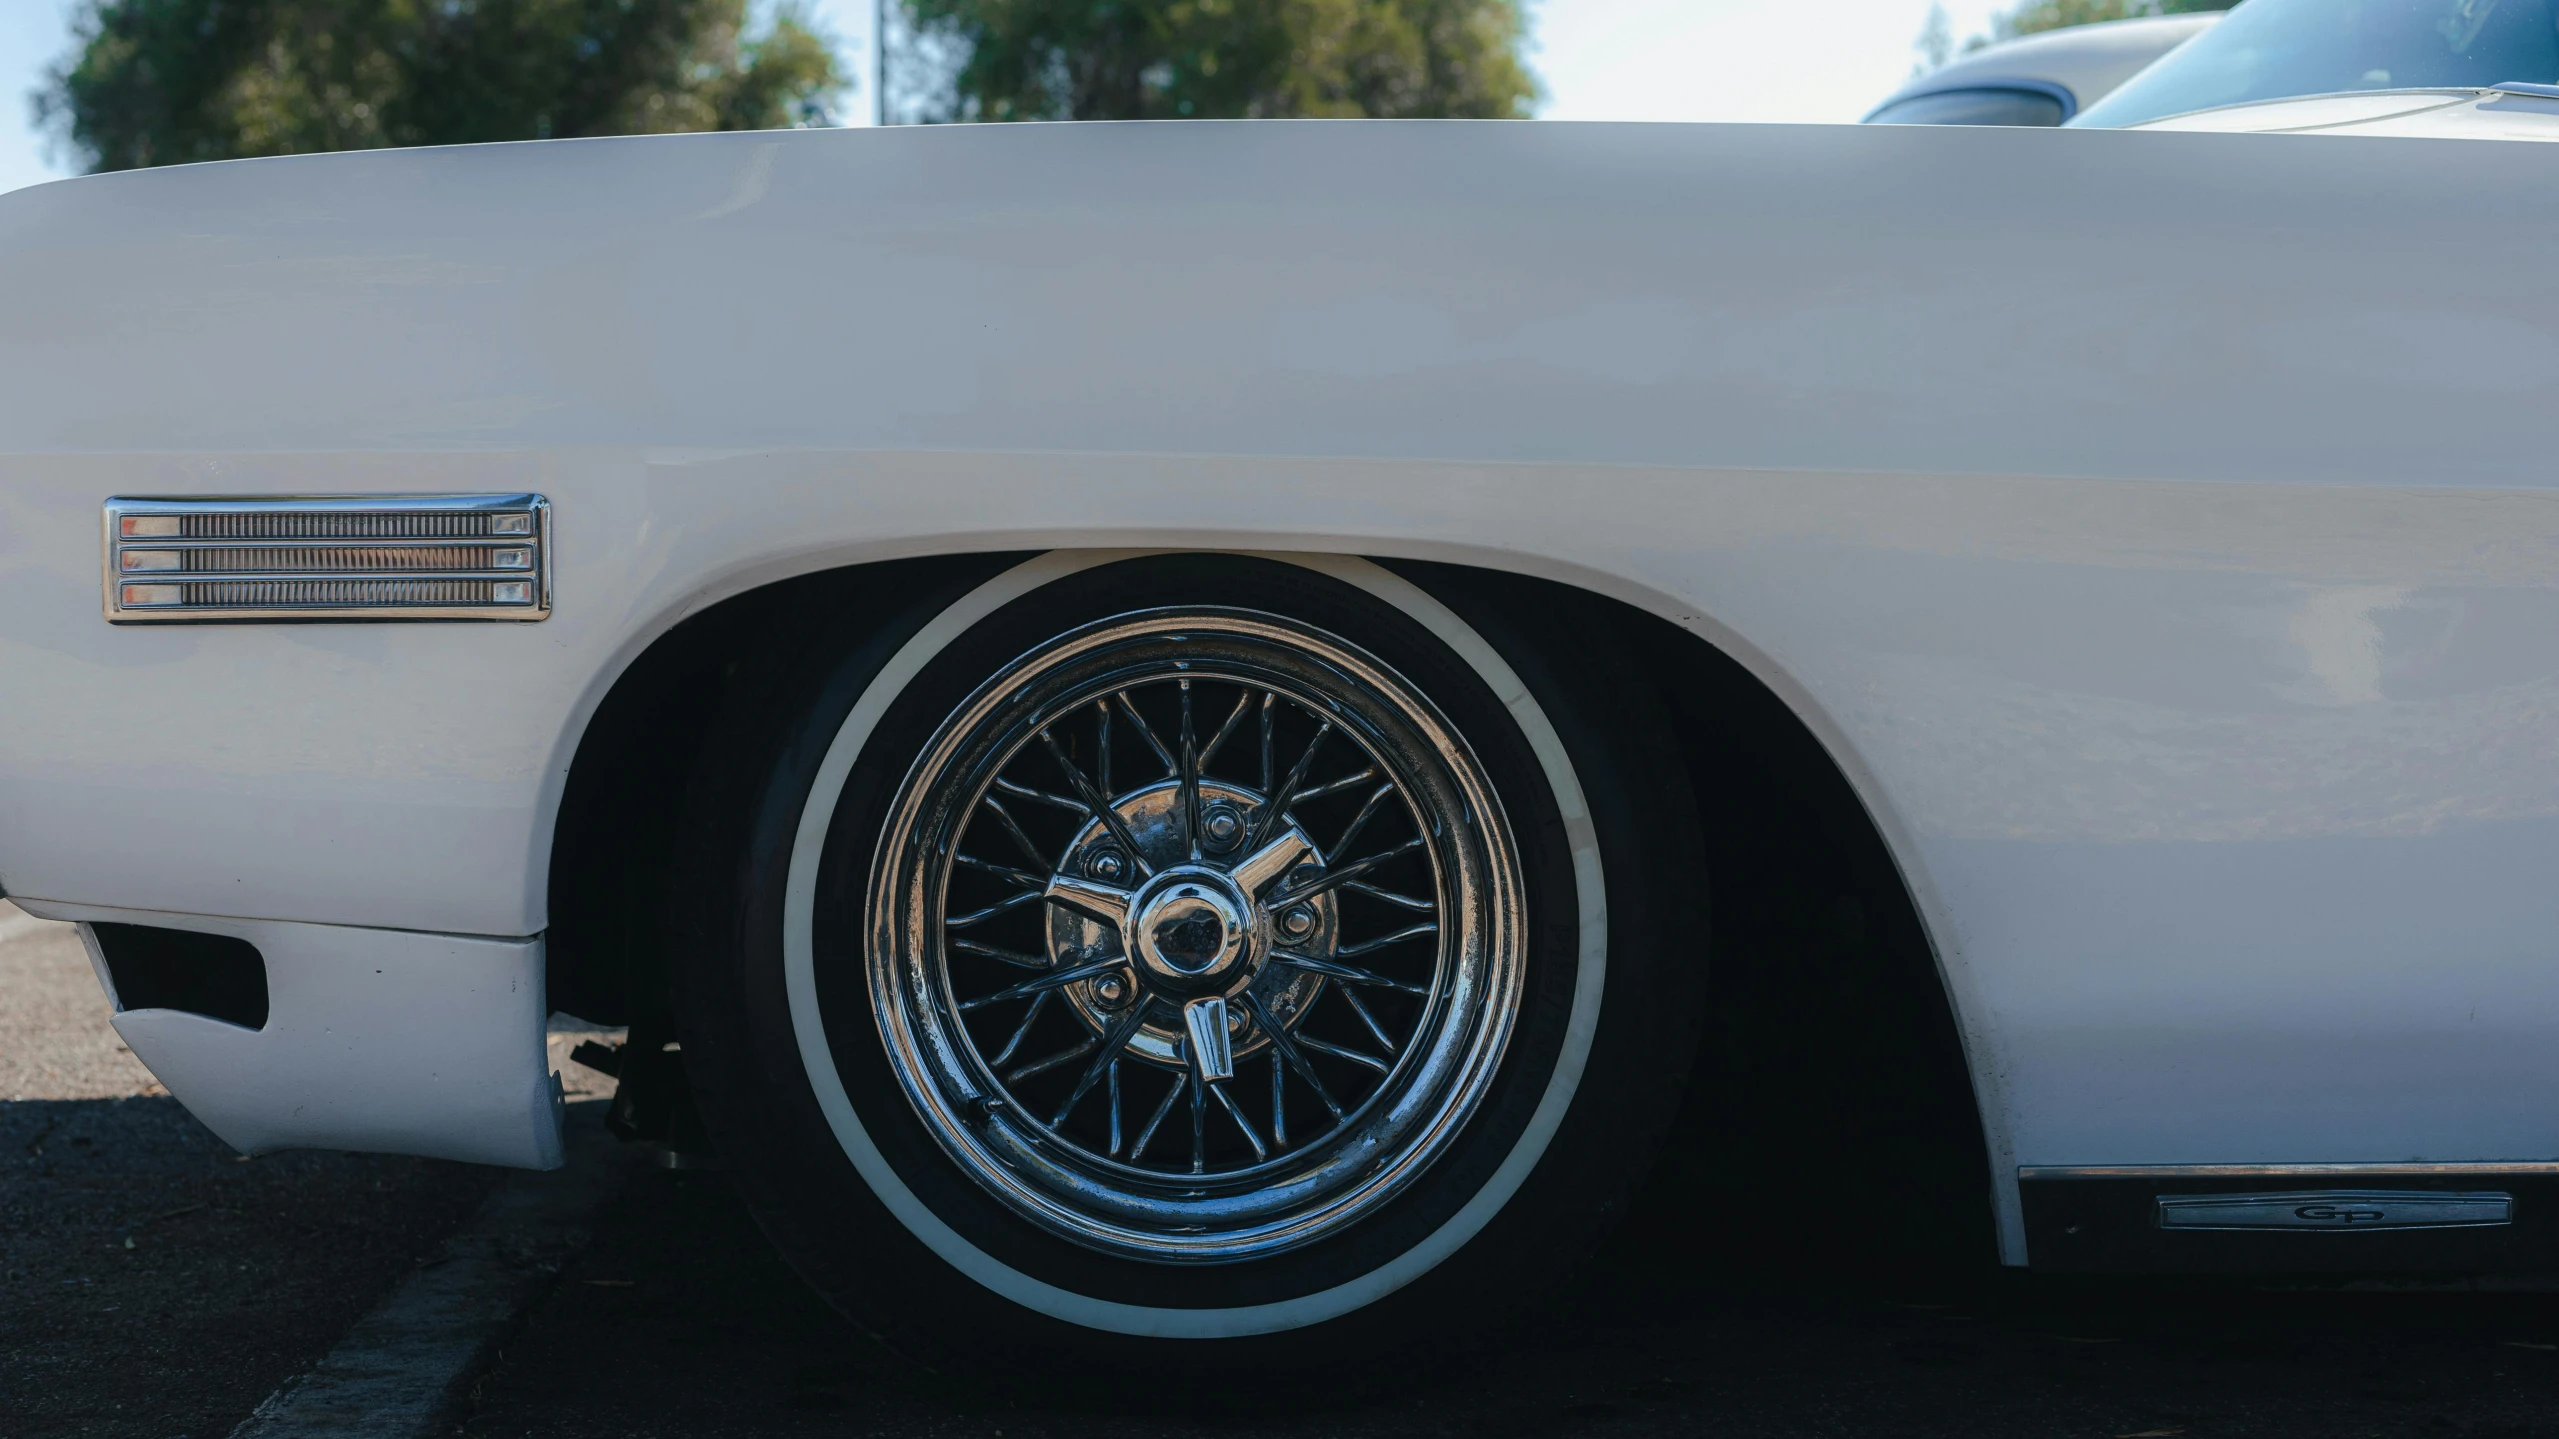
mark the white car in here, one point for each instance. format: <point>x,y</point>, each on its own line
<point>1196,732</point>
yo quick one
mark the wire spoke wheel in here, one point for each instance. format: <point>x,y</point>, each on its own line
<point>1196,935</point>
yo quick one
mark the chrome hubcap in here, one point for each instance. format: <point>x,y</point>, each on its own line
<point>1127,989</point>
<point>1075,935</point>
<point>1192,931</point>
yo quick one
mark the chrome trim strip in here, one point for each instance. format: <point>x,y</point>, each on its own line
<point>2338,1210</point>
<point>378,526</point>
<point>2417,1169</point>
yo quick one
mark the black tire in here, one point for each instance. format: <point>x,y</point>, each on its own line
<point>752,1069</point>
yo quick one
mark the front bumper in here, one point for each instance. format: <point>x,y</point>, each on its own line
<point>376,1039</point>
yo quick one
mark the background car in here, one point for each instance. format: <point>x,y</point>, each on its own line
<point>2479,69</point>
<point>2040,79</point>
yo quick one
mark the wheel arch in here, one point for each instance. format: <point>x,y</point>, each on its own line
<point>1832,919</point>
<point>1836,1065</point>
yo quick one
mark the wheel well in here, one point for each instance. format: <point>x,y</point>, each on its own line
<point>611,847</point>
<point>1830,1115</point>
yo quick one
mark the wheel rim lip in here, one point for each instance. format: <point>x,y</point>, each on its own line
<point>1489,921</point>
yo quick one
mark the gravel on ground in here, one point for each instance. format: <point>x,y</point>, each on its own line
<point>54,1039</point>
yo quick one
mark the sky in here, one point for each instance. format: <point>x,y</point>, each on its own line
<point>1744,60</point>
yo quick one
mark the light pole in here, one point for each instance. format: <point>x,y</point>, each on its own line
<point>879,62</point>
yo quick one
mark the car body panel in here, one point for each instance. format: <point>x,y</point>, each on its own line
<point>2157,529</point>
<point>376,1039</point>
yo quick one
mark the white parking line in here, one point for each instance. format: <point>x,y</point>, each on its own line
<point>399,1371</point>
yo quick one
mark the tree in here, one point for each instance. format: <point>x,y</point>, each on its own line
<point>1936,42</point>
<point>2036,16</point>
<point>1151,59</point>
<point>158,82</point>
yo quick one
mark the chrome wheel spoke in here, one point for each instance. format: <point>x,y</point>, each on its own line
<point>1155,1121</point>
<point>1286,794</point>
<point>1054,979</point>
<point>1347,973</point>
<point>1114,1083</point>
<point>1041,796</point>
<point>1109,1055</point>
<point>1400,901</point>
<point>1286,1044</point>
<point>1042,1066</point>
<point>1002,956</point>
<point>1368,1021</point>
<point>1226,1102</point>
<point>1359,821</point>
<point>1102,745</point>
<point>1021,877</point>
<point>1013,827</point>
<point>1334,879</point>
<point>1269,698</point>
<point>1189,767</point>
<point>1000,907</point>
<point>1343,1051</point>
<point>1095,804</point>
<point>1022,1031</point>
<point>1146,732</point>
<point>1366,946</point>
<point>1336,786</point>
<point>1234,719</point>
<point>1279,1101</point>
<point>1199,1123</point>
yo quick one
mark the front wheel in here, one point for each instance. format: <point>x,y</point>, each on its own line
<point>1189,950</point>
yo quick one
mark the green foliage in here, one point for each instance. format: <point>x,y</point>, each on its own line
<point>2035,16</point>
<point>1151,59</point>
<point>158,82</point>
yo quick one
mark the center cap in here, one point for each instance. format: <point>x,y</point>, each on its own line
<point>1190,930</point>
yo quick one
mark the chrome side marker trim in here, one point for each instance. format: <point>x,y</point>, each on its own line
<point>327,557</point>
<point>2337,1209</point>
<point>2304,1173</point>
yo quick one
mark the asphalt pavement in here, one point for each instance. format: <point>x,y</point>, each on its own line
<point>158,1285</point>
<point>678,1321</point>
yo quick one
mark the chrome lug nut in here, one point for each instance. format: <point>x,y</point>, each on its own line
<point>1110,991</point>
<point>1107,865</point>
<point>1221,828</point>
<point>1296,922</point>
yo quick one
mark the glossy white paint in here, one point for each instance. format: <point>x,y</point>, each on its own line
<point>2157,528</point>
<point>375,1039</point>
